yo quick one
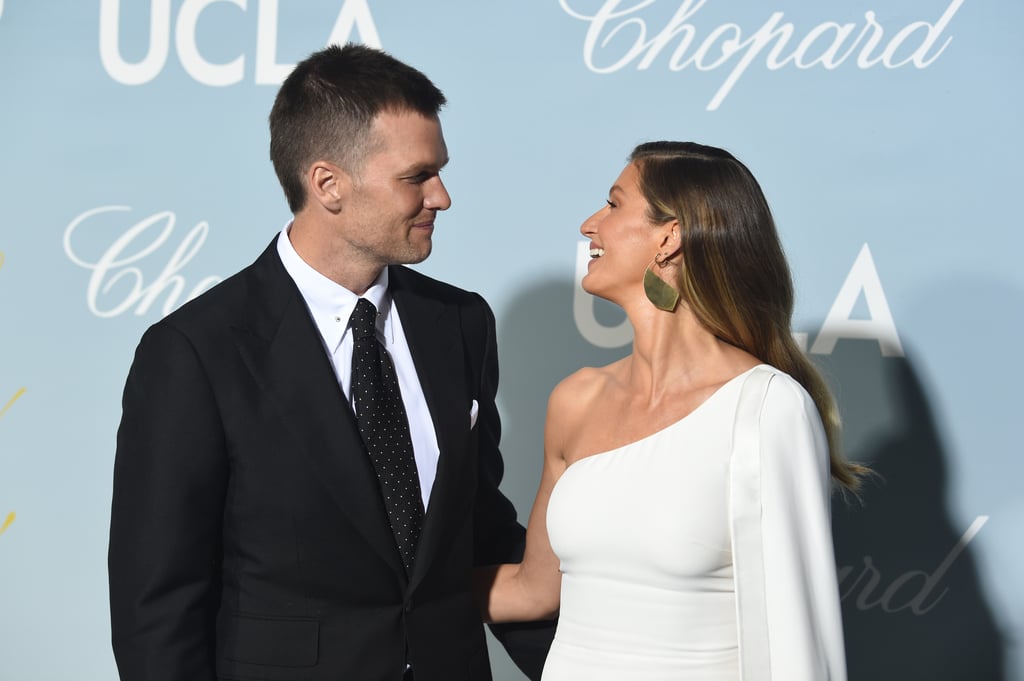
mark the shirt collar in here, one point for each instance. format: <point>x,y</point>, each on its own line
<point>331,304</point>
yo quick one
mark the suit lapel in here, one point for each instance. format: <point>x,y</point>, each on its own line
<point>433,334</point>
<point>285,353</point>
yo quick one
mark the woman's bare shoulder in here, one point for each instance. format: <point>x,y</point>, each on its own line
<point>579,389</point>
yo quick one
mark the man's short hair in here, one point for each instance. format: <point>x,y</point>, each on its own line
<point>326,107</point>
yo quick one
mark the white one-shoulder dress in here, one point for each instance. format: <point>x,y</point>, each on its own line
<point>702,552</point>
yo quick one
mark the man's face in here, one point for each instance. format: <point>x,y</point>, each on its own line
<point>396,193</point>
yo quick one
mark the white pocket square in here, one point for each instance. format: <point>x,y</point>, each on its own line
<point>473,410</point>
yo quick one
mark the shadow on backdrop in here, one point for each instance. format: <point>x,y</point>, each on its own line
<point>913,606</point>
<point>538,346</point>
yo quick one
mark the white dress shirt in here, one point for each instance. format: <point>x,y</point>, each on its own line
<point>330,305</point>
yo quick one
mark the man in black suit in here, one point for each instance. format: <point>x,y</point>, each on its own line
<point>254,533</point>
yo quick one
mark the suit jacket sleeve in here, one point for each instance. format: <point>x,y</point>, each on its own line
<point>499,538</point>
<point>787,593</point>
<point>168,495</point>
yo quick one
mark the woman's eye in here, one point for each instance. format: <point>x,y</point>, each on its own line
<point>610,204</point>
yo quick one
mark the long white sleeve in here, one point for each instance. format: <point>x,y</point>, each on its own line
<point>787,592</point>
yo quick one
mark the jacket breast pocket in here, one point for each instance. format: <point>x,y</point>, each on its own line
<point>275,641</point>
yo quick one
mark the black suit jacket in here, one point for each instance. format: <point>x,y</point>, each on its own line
<point>248,536</point>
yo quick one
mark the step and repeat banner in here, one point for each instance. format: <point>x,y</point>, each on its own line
<point>886,134</point>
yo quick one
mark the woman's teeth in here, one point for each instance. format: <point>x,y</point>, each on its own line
<point>596,252</point>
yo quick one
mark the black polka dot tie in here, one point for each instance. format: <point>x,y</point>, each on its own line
<point>385,430</point>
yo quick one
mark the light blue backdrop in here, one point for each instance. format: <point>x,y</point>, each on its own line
<point>886,135</point>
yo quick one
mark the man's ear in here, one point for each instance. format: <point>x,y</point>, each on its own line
<point>328,185</point>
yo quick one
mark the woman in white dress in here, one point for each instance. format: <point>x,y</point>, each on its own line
<point>681,531</point>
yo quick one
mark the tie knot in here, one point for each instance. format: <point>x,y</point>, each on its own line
<point>364,320</point>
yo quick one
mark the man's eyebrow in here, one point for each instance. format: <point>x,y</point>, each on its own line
<point>417,168</point>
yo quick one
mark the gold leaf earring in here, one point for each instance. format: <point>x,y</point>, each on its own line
<point>661,294</point>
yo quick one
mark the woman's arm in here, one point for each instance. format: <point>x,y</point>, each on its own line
<point>530,590</point>
<point>789,604</point>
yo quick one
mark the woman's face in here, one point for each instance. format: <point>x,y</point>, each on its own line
<point>622,241</point>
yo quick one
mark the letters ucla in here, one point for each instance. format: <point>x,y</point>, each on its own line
<point>886,134</point>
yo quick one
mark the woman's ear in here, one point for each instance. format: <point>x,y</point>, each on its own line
<point>671,241</point>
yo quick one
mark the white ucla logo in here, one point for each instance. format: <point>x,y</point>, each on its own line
<point>353,16</point>
<point>617,37</point>
<point>117,282</point>
<point>839,323</point>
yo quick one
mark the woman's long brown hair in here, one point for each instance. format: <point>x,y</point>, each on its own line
<point>734,274</point>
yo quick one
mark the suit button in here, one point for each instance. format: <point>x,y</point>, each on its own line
<point>408,606</point>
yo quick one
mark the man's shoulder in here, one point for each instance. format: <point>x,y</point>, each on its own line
<point>405,278</point>
<point>226,301</point>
